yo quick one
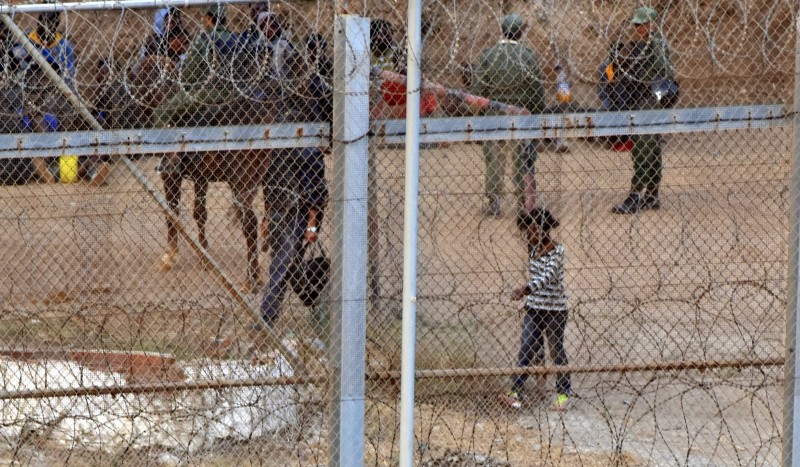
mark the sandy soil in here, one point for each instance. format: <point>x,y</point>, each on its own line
<point>701,279</point>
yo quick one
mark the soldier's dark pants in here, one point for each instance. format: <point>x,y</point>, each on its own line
<point>647,165</point>
<point>495,153</point>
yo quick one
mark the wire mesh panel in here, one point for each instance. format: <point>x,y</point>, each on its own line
<point>602,232</point>
<point>167,178</point>
<point>592,288</point>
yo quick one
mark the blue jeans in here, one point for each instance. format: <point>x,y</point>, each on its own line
<point>536,326</point>
<point>286,237</point>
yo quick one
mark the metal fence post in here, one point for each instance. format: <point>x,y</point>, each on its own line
<point>410,235</point>
<point>792,390</point>
<point>349,252</point>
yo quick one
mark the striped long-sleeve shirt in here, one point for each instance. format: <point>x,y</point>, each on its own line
<point>546,285</point>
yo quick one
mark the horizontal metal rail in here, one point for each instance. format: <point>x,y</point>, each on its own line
<point>433,130</point>
<point>588,124</point>
<point>163,140</point>
<point>107,5</point>
<point>682,365</point>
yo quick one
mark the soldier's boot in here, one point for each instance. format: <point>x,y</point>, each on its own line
<point>493,208</point>
<point>651,200</point>
<point>631,205</point>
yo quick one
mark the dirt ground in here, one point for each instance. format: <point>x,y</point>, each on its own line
<point>701,279</point>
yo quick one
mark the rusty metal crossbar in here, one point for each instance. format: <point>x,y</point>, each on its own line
<point>159,141</point>
<point>166,387</point>
<point>588,124</point>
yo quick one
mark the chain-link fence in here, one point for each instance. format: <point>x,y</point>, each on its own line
<point>602,225</point>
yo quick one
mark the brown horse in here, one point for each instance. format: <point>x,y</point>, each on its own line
<point>243,171</point>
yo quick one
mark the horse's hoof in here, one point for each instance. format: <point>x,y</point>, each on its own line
<point>100,177</point>
<point>252,286</point>
<point>167,261</point>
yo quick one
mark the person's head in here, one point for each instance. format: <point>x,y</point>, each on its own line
<point>536,224</point>
<point>105,68</point>
<point>178,40</point>
<point>270,24</point>
<point>173,19</point>
<point>160,21</point>
<point>643,21</point>
<point>48,23</point>
<point>381,33</point>
<point>316,44</point>
<point>256,8</point>
<point>214,14</point>
<point>513,26</point>
<point>467,70</point>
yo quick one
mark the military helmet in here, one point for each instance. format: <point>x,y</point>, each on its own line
<point>513,24</point>
<point>217,10</point>
<point>644,15</point>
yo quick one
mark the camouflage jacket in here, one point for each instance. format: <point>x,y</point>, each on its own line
<point>510,73</point>
<point>198,68</point>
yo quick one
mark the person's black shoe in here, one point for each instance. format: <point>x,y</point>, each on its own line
<point>493,208</point>
<point>650,202</point>
<point>632,204</point>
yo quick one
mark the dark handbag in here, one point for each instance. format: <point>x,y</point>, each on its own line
<point>309,276</point>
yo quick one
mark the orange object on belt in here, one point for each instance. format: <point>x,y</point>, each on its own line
<point>394,94</point>
<point>610,72</point>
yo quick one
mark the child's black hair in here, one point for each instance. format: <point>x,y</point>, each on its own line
<point>537,216</point>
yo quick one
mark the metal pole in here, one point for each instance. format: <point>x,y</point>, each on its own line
<point>791,445</point>
<point>154,192</point>
<point>410,235</point>
<point>108,5</point>
<point>349,252</point>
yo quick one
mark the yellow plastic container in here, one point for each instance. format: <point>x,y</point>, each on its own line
<point>68,169</point>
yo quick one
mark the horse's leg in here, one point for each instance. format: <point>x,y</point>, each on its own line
<point>43,171</point>
<point>172,194</point>
<point>243,196</point>
<point>201,213</point>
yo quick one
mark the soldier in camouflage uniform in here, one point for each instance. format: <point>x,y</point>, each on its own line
<point>649,63</point>
<point>204,77</point>
<point>509,72</point>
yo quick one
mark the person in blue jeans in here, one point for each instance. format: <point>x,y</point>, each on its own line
<point>545,306</point>
<point>295,194</point>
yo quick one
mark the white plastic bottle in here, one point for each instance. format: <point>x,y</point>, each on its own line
<point>563,89</point>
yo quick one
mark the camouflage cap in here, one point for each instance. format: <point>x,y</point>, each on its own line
<point>217,10</point>
<point>644,15</point>
<point>513,24</point>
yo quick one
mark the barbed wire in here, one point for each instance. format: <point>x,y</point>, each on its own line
<point>694,289</point>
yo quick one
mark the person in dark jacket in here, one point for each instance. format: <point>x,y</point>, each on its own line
<point>295,195</point>
<point>648,63</point>
<point>509,72</point>
<point>13,170</point>
<point>169,38</point>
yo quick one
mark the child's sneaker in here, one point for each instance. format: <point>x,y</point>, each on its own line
<point>562,403</point>
<point>511,399</point>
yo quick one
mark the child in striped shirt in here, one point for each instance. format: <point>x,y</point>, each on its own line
<point>545,306</point>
